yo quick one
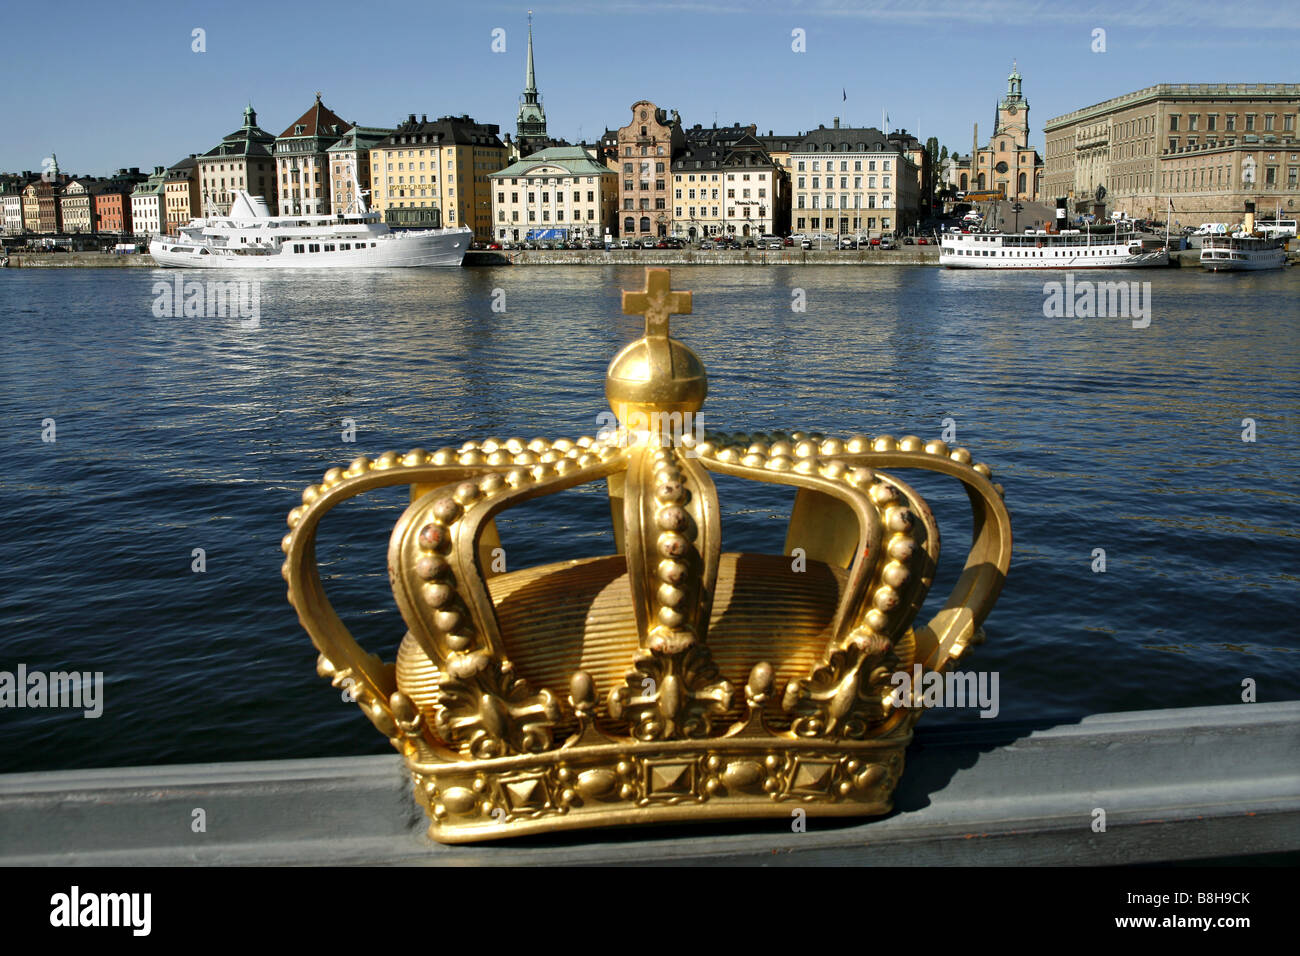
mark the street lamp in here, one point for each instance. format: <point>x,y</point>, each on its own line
<point>1016,207</point>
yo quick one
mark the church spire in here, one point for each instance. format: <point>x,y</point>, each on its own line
<point>530,77</point>
<point>530,127</point>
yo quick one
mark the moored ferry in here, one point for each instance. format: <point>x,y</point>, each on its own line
<point>1242,253</point>
<point>249,237</point>
<point>1067,249</point>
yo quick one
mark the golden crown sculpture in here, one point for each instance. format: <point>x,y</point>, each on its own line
<point>734,685</point>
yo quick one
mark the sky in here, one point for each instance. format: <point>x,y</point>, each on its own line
<point>121,85</point>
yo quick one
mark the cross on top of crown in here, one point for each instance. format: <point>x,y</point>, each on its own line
<point>656,302</point>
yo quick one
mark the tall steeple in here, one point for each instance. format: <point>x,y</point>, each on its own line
<point>250,116</point>
<point>530,125</point>
<point>530,76</point>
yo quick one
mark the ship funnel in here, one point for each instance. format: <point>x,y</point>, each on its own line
<point>1249,224</point>
<point>1060,215</point>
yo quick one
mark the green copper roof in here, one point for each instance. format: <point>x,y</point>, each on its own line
<point>574,159</point>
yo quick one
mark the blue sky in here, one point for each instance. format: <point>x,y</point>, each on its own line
<point>112,85</point>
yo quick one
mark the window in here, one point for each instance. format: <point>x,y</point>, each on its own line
<point>1231,123</point>
<point>1250,122</point>
<point>1173,123</point>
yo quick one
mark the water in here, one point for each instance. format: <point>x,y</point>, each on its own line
<point>177,434</point>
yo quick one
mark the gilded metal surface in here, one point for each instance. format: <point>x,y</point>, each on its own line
<point>670,681</point>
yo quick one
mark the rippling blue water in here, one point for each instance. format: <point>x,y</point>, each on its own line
<point>176,434</point>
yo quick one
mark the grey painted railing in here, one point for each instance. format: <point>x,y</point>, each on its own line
<point>1199,783</point>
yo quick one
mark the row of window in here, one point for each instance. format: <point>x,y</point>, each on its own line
<point>704,211</point>
<point>844,202</point>
<point>844,182</point>
<point>643,184</point>
<point>1230,121</point>
<point>815,222</point>
<point>540,181</point>
<point>546,197</point>
<point>546,215</point>
<point>844,165</point>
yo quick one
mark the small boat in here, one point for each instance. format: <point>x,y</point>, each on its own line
<point>249,237</point>
<point>1243,252</point>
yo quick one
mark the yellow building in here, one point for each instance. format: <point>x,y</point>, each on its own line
<point>181,194</point>
<point>436,173</point>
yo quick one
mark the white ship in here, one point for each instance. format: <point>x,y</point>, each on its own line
<point>1241,252</point>
<point>249,237</point>
<point>1067,249</point>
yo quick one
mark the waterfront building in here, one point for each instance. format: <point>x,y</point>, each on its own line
<point>302,168</point>
<point>76,207</point>
<point>1207,147</point>
<point>645,149</point>
<point>912,147</point>
<point>12,204</point>
<point>428,174</point>
<point>560,188</point>
<point>11,200</point>
<point>349,163</point>
<point>148,216</point>
<point>852,181</point>
<point>244,160</point>
<point>181,194</point>
<point>111,201</point>
<point>1007,162</point>
<point>729,186</point>
<point>779,146</point>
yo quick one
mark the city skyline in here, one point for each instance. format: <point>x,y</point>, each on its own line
<point>933,72</point>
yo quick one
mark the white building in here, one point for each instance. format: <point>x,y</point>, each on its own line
<point>13,213</point>
<point>148,213</point>
<point>851,181</point>
<point>559,188</point>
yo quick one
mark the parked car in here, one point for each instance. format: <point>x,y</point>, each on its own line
<point>494,246</point>
<point>805,243</point>
<point>922,241</point>
<point>707,244</point>
<point>887,243</point>
<point>848,242</point>
<point>875,242</point>
<point>909,241</point>
<point>788,241</point>
<point>625,243</point>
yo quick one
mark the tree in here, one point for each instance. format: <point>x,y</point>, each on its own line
<point>943,154</point>
<point>932,147</point>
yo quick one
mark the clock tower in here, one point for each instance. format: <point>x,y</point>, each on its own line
<point>1013,111</point>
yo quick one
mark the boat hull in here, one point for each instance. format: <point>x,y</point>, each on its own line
<point>1142,261</point>
<point>445,247</point>
<point>1253,262</point>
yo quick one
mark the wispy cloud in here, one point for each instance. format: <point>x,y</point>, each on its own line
<point>1250,15</point>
